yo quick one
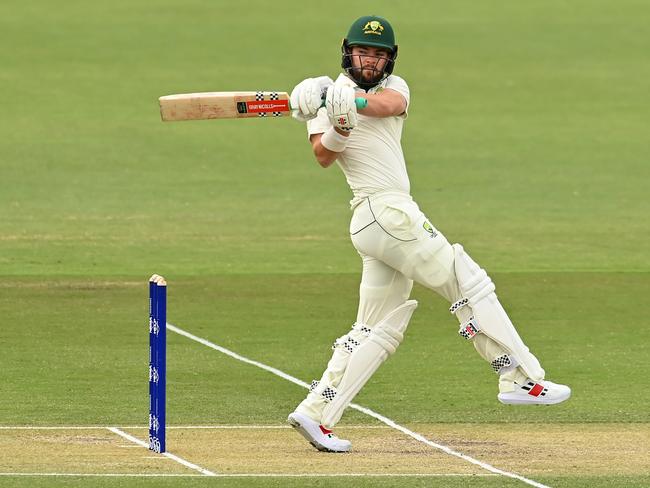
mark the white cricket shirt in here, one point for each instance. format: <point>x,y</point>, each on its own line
<point>373,160</point>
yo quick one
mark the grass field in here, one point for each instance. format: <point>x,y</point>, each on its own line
<point>526,141</point>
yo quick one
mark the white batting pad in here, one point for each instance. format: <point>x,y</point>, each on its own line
<point>382,342</point>
<point>489,317</point>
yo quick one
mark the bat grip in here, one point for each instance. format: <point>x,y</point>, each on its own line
<point>359,102</point>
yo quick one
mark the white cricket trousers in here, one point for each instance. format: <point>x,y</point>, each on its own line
<point>399,245</point>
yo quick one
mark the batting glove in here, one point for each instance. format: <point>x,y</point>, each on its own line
<point>306,97</point>
<point>341,107</point>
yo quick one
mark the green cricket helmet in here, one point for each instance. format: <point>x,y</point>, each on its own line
<point>373,31</point>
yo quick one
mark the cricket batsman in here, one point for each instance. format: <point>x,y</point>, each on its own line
<point>397,243</point>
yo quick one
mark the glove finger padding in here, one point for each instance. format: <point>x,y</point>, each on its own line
<point>306,97</point>
<point>310,98</point>
<point>323,83</point>
<point>294,99</point>
<point>341,107</point>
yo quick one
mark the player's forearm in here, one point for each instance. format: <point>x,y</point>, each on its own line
<point>325,156</point>
<point>387,103</point>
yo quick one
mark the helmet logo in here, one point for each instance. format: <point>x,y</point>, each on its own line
<point>373,27</point>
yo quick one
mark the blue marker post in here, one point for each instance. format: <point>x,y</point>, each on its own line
<point>157,361</point>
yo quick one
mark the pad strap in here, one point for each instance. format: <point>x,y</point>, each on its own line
<point>503,364</point>
<point>480,289</point>
<point>349,343</point>
<point>458,305</point>
<point>363,328</point>
<point>327,392</point>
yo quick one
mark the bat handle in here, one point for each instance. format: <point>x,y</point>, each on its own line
<point>359,102</point>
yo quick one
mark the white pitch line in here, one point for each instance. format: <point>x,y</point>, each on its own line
<point>367,411</point>
<point>55,427</point>
<point>109,475</point>
<point>169,455</point>
<point>227,427</point>
<point>263,427</point>
<point>234,355</point>
<point>173,427</point>
<point>260,475</point>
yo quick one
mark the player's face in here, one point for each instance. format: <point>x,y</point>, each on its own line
<point>370,62</point>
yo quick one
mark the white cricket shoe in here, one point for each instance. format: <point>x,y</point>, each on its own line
<point>317,435</point>
<point>536,393</point>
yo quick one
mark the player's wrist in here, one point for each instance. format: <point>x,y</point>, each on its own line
<point>333,140</point>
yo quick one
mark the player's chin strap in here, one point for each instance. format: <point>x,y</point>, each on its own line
<point>489,317</point>
<point>366,353</point>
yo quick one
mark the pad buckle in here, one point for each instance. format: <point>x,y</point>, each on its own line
<point>469,329</point>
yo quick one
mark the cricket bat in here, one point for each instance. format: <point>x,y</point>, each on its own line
<point>228,105</point>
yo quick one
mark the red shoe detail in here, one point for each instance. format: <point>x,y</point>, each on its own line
<point>324,430</point>
<point>536,390</point>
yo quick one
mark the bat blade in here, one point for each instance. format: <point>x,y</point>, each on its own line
<point>224,105</point>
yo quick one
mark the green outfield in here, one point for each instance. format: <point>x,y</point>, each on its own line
<point>526,141</point>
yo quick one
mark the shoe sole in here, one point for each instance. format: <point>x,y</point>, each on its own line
<point>531,401</point>
<point>295,423</point>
